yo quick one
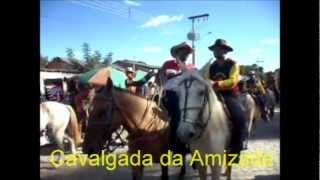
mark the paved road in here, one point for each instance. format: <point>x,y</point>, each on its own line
<point>266,140</point>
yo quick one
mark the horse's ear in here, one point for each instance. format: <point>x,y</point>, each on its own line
<point>204,71</point>
<point>109,85</point>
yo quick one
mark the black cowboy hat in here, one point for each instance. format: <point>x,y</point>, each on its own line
<point>180,46</point>
<point>221,43</point>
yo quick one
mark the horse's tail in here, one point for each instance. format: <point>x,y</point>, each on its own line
<point>74,128</point>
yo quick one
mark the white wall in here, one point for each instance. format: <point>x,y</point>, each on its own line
<point>54,75</point>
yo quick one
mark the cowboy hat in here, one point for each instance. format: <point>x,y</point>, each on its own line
<point>220,43</point>
<point>180,46</point>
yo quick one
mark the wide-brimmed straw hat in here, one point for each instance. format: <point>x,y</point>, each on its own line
<point>220,43</point>
<point>180,46</point>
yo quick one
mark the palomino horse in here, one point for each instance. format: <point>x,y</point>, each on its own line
<point>145,122</point>
<point>56,117</point>
<point>204,123</point>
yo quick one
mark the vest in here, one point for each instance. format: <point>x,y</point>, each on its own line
<point>221,72</point>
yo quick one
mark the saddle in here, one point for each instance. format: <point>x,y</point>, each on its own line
<point>226,110</point>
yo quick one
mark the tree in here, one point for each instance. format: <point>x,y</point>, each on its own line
<point>43,61</point>
<point>108,59</point>
<point>86,52</point>
<point>96,57</point>
<point>254,67</point>
<point>70,53</point>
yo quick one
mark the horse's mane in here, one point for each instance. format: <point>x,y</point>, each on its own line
<point>197,76</point>
<point>128,92</point>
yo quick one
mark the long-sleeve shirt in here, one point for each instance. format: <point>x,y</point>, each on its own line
<point>226,75</point>
<point>172,71</point>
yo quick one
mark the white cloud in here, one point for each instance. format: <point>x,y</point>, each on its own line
<point>270,41</point>
<point>152,49</point>
<point>160,20</point>
<point>132,3</point>
<point>255,51</point>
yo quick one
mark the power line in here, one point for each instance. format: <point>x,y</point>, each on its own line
<point>92,6</point>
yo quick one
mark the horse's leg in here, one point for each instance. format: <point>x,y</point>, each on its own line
<point>254,124</point>
<point>137,172</point>
<point>183,167</point>
<point>251,114</point>
<point>228,172</point>
<point>58,137</point>
<point>164,173</point>
<point>215,172</point>
<point>202,172</point>
<point>72,144</point>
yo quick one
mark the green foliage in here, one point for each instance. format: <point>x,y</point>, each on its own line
<point>108,59</point>
<point>86,52</point>
<point>43,61</point>
<point>70,53</point>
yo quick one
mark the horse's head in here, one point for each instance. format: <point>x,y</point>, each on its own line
<point>100,124</point>
<point>195,96</point>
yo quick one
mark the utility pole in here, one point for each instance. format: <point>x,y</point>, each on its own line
<point>192,36</point>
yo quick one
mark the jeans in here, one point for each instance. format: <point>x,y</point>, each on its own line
<point>171,103</point>
<point>239,120</point>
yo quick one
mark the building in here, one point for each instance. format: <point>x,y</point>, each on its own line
<point>49,77</point>
<point>64,65</point>
<point>56,72</point>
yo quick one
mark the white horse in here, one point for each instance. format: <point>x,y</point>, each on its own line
<point>271,102</point>
<point>252,110</point>
<point>204,123</point>
<point>56,117</point>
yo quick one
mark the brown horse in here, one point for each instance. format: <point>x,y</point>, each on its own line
<point>145,122</point>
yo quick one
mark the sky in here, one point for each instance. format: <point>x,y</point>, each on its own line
<point>146,30</point>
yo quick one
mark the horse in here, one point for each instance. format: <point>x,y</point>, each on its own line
<point>277,79</point>
<point>270,102</point>
<point>58,118</point>
<point>145,122</point>
<point>204,124</point>
<point>252,109</point>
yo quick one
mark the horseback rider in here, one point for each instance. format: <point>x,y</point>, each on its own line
<point>133,86</point>
<point>172,71</point>
<point>256,89</point>
<point>224,73</point>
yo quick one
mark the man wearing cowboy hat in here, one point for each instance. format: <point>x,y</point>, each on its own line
<point>172,71</point>
<point>135,86</point>
<point>224,74</point>
<point>256,88</point>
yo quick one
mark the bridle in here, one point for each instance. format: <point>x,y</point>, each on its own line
<point>109,113</point>
<point>201,123</point>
